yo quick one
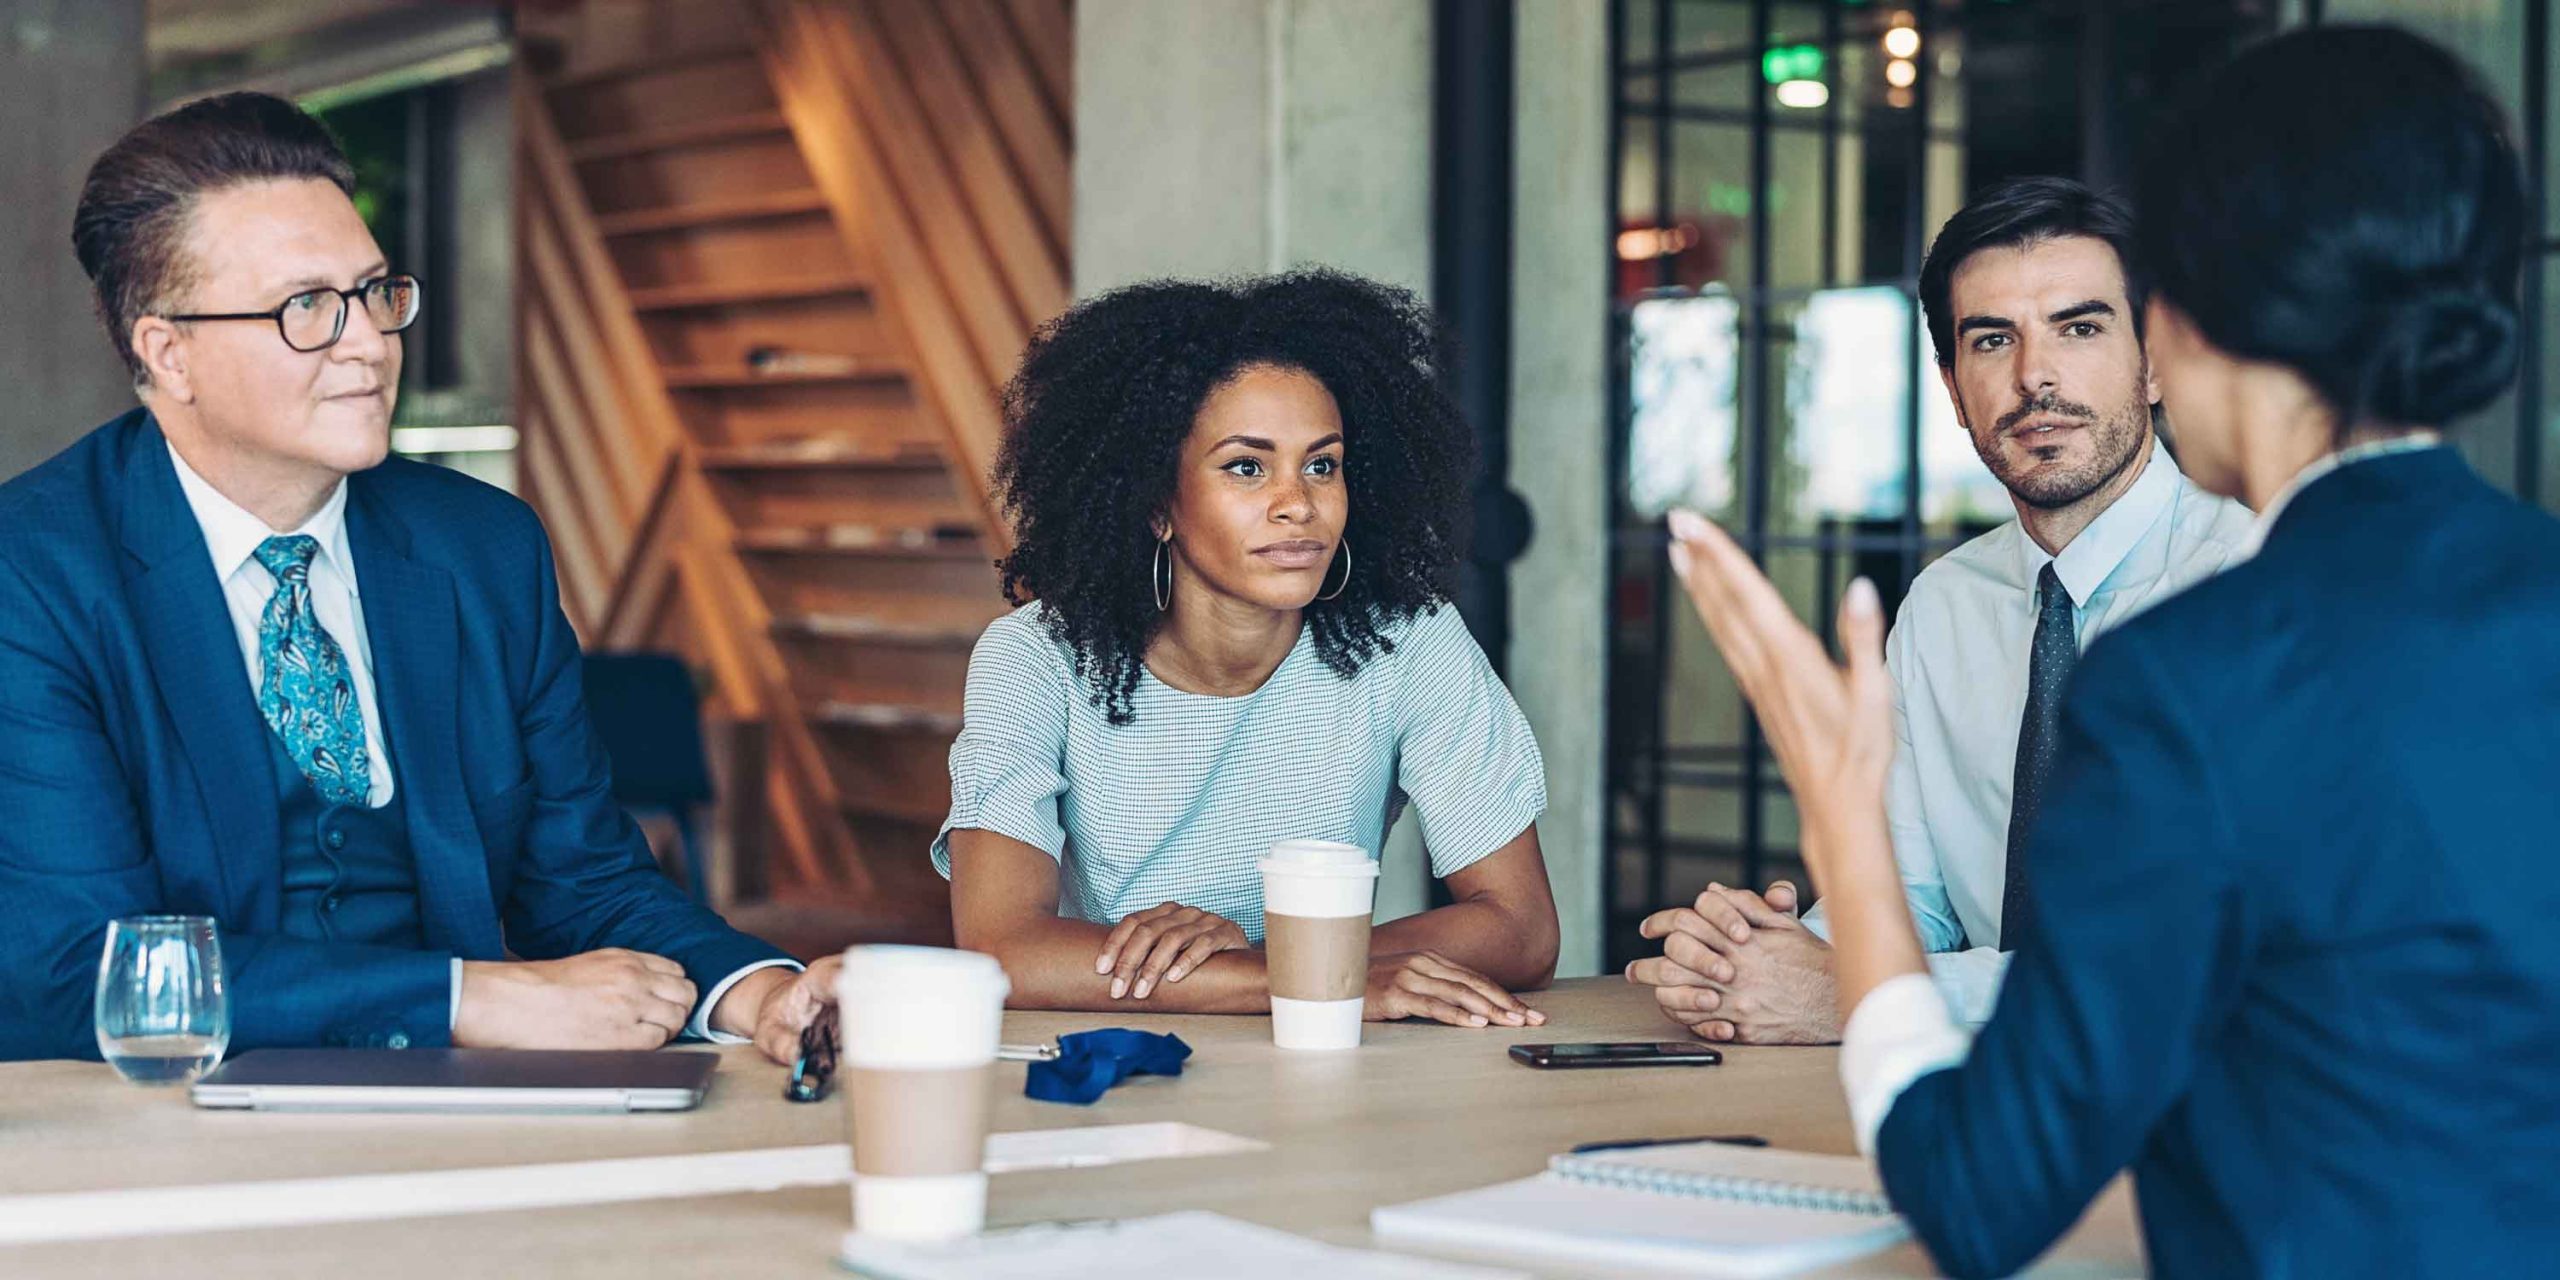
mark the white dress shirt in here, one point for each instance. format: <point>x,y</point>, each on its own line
<point>233,536</point>
<point>1907,1027</point>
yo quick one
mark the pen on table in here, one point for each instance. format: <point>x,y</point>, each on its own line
<point>1628,1144</point>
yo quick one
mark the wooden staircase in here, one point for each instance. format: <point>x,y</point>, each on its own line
<point>774,274</point>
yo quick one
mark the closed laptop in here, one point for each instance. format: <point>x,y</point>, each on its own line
<point>458,1080</point>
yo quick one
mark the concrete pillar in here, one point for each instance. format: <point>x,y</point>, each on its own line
<point>1231,137</point>
<point>71,80</point>
<point>1222,137</point>
<point>1559,439</point>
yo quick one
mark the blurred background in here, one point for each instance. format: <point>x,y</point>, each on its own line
<point>727,290</point>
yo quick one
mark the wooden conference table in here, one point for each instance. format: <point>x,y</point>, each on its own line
<point>1419,1110</point>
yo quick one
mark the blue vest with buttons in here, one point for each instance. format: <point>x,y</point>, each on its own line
<point>348,873</point>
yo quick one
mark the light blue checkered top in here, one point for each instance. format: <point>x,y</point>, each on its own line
<point>1177,806</point>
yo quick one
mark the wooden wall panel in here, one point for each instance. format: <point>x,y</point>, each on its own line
<point>877,192</point>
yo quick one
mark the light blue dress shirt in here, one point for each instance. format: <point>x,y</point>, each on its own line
<point>1959,658</point>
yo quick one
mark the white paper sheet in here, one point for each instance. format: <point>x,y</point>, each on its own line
<point>233,1206</point>
<point>1174,1244</point>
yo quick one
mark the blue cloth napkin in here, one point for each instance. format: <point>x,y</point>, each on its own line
<point>1090,1062</point>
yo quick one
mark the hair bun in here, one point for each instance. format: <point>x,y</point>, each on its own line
<point>2437,355</point>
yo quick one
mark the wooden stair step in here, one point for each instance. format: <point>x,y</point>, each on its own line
<point>738,377</point>
<point>872,630</point>
<point>865,808</point>
<point>955,541</point>
<point>637,142</point>
<point>769,205</point>
<point>883,716</point>
<point>679,60</point>
<point>821,454</point>
<point>730,293</point>
<point>810,928</point>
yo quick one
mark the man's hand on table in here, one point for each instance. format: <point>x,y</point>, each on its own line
<point>1740,967</point>
<point>608,999</point>
<point>773,1006</point>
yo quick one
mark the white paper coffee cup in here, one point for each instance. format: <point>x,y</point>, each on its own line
<point>1316,901</point>
<point>919,1026</point>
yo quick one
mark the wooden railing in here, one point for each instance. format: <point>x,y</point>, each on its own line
<point>937,132</point>
<point>636,528</point>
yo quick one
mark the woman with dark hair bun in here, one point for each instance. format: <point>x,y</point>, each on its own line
<point>1237,511</point>
<point>2303,815</point>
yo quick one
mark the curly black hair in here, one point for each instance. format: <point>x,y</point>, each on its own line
<point>1095,420</point>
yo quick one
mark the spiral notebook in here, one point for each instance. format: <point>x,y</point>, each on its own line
<point>1694,1209</point>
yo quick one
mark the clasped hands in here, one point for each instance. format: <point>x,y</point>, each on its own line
<point>1738,966</point>
<point>1167,943</point>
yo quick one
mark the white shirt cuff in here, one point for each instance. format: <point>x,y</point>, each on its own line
<point>453,1011</point>
<point>700,1027</point>
<point>1899,1033</point>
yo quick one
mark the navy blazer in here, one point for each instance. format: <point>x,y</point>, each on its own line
<point>2302,849</point>
<point>133,759</point>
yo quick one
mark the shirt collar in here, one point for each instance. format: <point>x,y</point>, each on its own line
<point>2088,560</point>
<point>233,535</point>
<point>2323,465</point>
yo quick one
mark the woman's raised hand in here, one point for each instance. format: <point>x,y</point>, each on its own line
<point>1831,726</point>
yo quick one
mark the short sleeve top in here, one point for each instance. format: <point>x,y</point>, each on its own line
<point>1178,806</point>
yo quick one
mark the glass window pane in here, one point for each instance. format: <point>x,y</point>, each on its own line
<point>1703,716</point>
<point>1839,398</point>
<point>1711,202</point>
<point>2551,137</point>
<point>1637,170</point>
<point>1716,26</point>
<point>2549,421</point>
<point>1635,32</point>
<point>1725,86</point>
<point>1797,192</point>
<point>1684,366</point>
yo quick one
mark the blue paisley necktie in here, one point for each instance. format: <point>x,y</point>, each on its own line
<point>305,691</point>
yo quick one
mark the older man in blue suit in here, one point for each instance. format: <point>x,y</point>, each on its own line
<point>255,671</point>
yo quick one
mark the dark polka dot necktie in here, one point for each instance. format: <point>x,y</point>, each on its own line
<point>304,690</point>
<point>2057,647</point>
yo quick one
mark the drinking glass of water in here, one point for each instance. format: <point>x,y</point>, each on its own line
<point>164,1016</point>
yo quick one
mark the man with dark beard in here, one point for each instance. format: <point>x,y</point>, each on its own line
<point>2034,305</point>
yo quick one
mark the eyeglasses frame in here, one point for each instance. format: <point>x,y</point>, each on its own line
<point>350,299</point>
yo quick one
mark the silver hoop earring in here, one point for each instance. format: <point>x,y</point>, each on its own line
<point>1346,571</point>
<point>1160,578</point>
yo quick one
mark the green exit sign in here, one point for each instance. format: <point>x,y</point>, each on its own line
<point>1791,62</point>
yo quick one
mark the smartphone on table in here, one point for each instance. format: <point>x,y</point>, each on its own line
<point>1635,1053</point>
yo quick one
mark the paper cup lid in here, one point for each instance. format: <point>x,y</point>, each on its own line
<point>1319,858</point>
<point>908,967</point>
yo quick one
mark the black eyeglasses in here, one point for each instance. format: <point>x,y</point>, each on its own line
<point>314,319</point>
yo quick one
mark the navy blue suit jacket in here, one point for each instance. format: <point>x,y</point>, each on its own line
<point>2301,856</point>
<point>133,760</point>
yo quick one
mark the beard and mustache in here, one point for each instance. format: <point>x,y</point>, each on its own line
<point>2115,440</point>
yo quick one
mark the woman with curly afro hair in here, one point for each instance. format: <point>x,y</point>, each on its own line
<point>1237,509</point>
